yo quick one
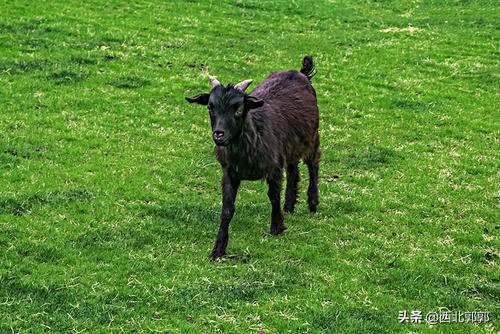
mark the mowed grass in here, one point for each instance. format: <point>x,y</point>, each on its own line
<point>110,192</point>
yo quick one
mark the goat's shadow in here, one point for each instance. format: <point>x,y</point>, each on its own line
<point>191,221</point>
<point>183,212</point>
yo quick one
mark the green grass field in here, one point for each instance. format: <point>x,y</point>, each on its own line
<point>110,192</point>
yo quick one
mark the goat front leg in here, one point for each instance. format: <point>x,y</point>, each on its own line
<point>274,181</point>
<point>229,191</point>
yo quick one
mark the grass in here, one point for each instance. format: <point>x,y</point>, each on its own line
<point>109,197</point>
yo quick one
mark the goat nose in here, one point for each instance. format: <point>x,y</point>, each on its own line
<point>218,135</point>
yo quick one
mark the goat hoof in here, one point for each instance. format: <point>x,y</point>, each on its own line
<point>313,207</point>
<point>217,254</point>
<point>276,230</point>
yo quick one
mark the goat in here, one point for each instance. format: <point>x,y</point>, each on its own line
<point>258,134</point>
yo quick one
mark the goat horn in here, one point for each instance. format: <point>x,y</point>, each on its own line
<point>213,81</point>
<point>243,85</point>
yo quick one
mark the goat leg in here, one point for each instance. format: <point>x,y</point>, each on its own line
<point>274,181</point>
<point>292,180</point>
<point>229,191</point>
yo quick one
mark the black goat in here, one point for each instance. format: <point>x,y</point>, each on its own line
<point>260,133</point>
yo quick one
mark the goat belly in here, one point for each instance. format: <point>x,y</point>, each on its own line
<point>247,173</point>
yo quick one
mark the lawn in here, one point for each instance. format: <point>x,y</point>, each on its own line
<point>110,191</point>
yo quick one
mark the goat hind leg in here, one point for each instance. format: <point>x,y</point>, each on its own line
<point>292,180</point>
<point>312,191</point>
<point>274,181</point>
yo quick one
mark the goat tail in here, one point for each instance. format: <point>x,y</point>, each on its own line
<point>308,67</point>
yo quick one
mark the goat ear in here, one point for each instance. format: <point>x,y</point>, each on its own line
<point>200,99</point>
<point>252,102</point>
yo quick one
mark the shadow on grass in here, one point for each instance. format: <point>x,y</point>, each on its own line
<point>50,295</point>
<point>351,320</point>
<point>58,300</point>
<point>82,60</point>
<point>21,66</point>
<point>17,66</point>
<point>344,206</point>
<point>41,253</point>
<point>175,223</point>
<point>64,77</point>
<point>129,82</point>
<point>191,222</point>
<point>185,212</point>
<point>23,205</point>
<point>370,158</point>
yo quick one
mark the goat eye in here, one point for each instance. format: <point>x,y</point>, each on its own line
<point>236,108</point>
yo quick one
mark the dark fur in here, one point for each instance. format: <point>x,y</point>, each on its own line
<point>272,128</point>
